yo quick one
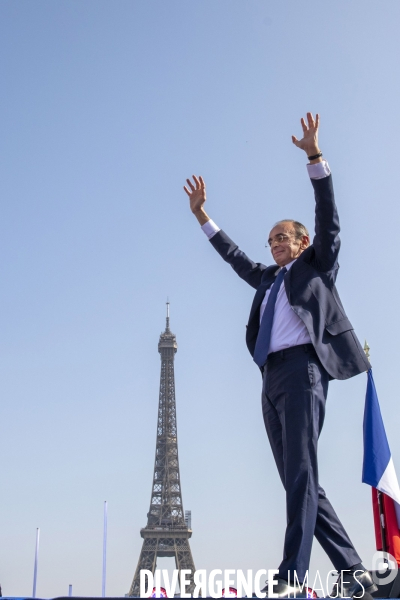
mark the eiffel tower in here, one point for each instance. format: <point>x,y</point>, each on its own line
<point>166,533</point>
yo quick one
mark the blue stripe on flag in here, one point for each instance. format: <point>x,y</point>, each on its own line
<point>376,447</point>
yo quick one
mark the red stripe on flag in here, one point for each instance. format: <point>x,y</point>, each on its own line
<point>392,532</point>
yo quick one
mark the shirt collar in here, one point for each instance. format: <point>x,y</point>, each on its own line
<point>288,266</point>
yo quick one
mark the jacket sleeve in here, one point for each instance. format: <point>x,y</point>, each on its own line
<point>248,270</point>
<point>326,240</point>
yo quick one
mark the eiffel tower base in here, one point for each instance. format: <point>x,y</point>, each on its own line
<point>170,543</point>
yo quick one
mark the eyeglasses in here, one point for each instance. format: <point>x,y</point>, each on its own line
<point>280,238</point>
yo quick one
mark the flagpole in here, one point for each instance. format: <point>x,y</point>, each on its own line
<point>378,493</point>
<point>382,521</point>
<point>36,563</point>
<point>103,589</point>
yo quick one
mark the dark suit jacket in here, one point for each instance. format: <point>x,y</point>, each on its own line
<point>310,288</point>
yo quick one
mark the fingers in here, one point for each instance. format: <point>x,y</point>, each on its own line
<point>190,184</point>
<point>200,185</point>
<point>295,140</point>
<point>310,119</point>
<point>311,123</point>
<point>197,182</point>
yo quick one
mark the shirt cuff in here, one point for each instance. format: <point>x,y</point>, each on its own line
<point>319,170</point>
<point>210,228</point>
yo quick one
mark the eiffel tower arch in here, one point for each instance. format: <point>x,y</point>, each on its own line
<point>166,533</point>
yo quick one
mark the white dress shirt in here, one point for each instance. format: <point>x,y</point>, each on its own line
<point>287,328</point>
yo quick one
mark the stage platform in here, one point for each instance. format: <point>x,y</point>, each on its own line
<point>365,597</point>
<point>391,590</point>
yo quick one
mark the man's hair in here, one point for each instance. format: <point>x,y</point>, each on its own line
<point>299,228</point>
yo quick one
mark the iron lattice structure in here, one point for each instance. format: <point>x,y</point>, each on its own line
<point>166,533</point>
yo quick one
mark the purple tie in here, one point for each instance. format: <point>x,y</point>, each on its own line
<point>264,333</point>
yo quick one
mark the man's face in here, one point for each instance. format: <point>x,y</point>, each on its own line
<point>285,247</point>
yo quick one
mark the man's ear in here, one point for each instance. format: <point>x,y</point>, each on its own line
<point>305,241</point>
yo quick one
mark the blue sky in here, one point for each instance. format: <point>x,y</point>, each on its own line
<point>106,108</point>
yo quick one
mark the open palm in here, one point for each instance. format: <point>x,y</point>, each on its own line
<point>196,193</point>
<point>309,141</point>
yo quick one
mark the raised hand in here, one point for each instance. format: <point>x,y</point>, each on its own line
<point>196,193</point>
<point>309,141</point>
<point>197,197</point>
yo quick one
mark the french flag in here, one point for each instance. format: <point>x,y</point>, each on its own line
<point>378,467</point>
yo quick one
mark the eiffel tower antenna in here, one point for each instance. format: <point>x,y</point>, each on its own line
<point>167,325</point>
<point>166,532</point>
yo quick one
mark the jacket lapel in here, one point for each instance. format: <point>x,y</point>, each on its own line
<point>286,281</point>
<point>260,293</point>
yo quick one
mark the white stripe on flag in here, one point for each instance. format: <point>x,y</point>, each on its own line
<point>389,485</point>
<point>388,482</point>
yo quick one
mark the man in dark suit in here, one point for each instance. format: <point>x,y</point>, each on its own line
<point>300,337</point>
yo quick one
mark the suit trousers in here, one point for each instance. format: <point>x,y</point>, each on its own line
<point>295,387</point>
